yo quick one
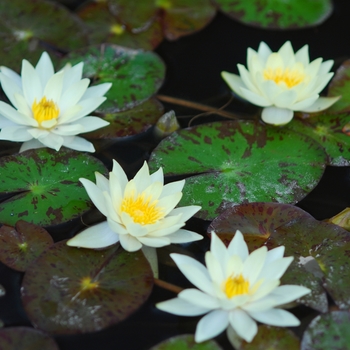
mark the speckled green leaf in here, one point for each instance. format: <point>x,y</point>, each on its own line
<point>42,186</point>
<point>327,129</point>
<point>260,223</point>
<point>340,86</point>
<point>183,17</point>
<point>22,244</point>
<point>130,122</point>
<point>29,27</point>
<point>106,28</point>
<point>228,163</point>
<point>278,14</point>
<point>186,342</point>
<point>328,331</point>
<point>70,290</point>
<point>136,75</point>
<point>17,338</point>
<point>270,338</point>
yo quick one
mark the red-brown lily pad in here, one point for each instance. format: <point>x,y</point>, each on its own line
<point>22,244</point>
<point>186,342</point>
<point>72,290</point>
<point>16,338</point>
<point>130,122</point>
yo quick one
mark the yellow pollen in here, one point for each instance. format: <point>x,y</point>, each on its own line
<point>117,29</point>
<point>287,76</point>
<point>87,284</point>
<point>143,210</point>
<point>45,110</point>
<point>236,286</point>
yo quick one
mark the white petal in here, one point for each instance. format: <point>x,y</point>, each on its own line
<point>96,91</point>
<point>15,77</point>
<point>276,269</point>
<point>32,88</point>
<point>180,307</point>
<point>117,227</point>
<point>254,263</point>
<point>17,133</point>
<point>199,298</point>
<point>313,68</point>
<point>219,252</point>
<point>102,182</point>
<point>264,52</point>
<point>4,122</point>
<point>158,176</point>
<point>31,144</point>
<point>172,187</point>
<point>321,82</point>
<point>78,143</point>
<point>44,68</point>
<point>72,75</point>
<point>10,88</point>
<point>254,98</point>
<point>276,317</point>
<point>130,243</point>
<point>168,203</point>
<point>52,141</point>
<point>325,67</point>
<point>184,236</point>
<point>186,212</point>
<point>135,229</point>
<point>155,242</point>
<point>276,116</point>
<point>243,324</point>
<point>238,246</point>
<point>53,88</point>
<point>307,102</point>
<point>302,55</point>
<point>95,195</point>
<point>10,113</point>
<point>247,79</point>
<point>285,99</point>
<point>68,129</point>
<point>22,106</point>
<point>287,293</point>
<point>211,325</point>
<point>215,270</point>
<point>321,104</point>
<point>234,81</point>
<point>287,53</point>
<point>274,254</point>
<point>97,236</point>
<point>142,178</point>
<point>73,94</point>
<point>120,174</point>
<point>150,254</point>
<point>275,61</point>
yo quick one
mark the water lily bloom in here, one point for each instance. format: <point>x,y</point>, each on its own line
<point>236,288</point>
<point>49,109</point>
<point>139,212</point>
<point>282,82</point>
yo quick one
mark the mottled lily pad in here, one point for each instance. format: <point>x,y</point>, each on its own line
<point>42,186</point>
<point>228,163</point>
<point>278,14</point>
<point>22,244</point>
<point>327,129</point>
<point>328,331</point>
<point>340,86</point>
<point>130,122</point>
<point>136,75</point>
<point>29,27</point>
<point>25,338</point>
<point>71,290</point>
<point>186,342</point>
<point>275,224</point>
<point>106,28</point>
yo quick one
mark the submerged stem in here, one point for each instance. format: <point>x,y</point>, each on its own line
<point>168,286</point>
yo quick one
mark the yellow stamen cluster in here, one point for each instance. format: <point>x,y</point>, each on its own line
<point>117,29</point>
<point>44,110</point>
<point>287,76</point>
<point>142,210</point>
<point>237,285</point>
<point>87,284</point>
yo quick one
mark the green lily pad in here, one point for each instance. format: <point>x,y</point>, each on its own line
<point>183,17</point>
<point>328,331</point>
<point>25,338</point>
<point>29,27</point>
<point>278,14</point>
<point>105,28</point>
<point>340,86</point>
<point>327,129</point>
<point>22,244</point>
<point>186,342</point>
<point>228,163</point>
<point>262,224</point>
<point>130,122</point>
<point>42,186</point>
<point>268,337</point>
<point>70,290</point>
<point>136,75</point>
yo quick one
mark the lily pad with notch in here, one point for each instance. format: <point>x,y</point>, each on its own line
<point>70,290</point>
<point>228,163</point>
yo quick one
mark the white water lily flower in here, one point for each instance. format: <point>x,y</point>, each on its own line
<point>50,108</point>
<point>235,289</point>
<point>139,212</point>
<point>282,82</point>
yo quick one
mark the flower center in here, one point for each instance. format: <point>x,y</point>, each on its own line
<point>87,284</point>
<point>45,110</point>
<point>287,76</point>
<point>142,210</point>
<point>236,286</point>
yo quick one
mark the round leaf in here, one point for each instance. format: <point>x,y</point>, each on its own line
<point>71,290</point>
<point>237,161</point>
<point>135,74</point>
<point>25,338</point>
<point>22,244</point>
<point>328,331</point>
<point>42,186</point>
<point>278,14</point>
<point>327,129</point>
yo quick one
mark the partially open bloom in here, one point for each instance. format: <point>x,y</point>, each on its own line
<point>139,212</point>
<point>235,289</point>
<point>282,82</point>
<point>50,108</point>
